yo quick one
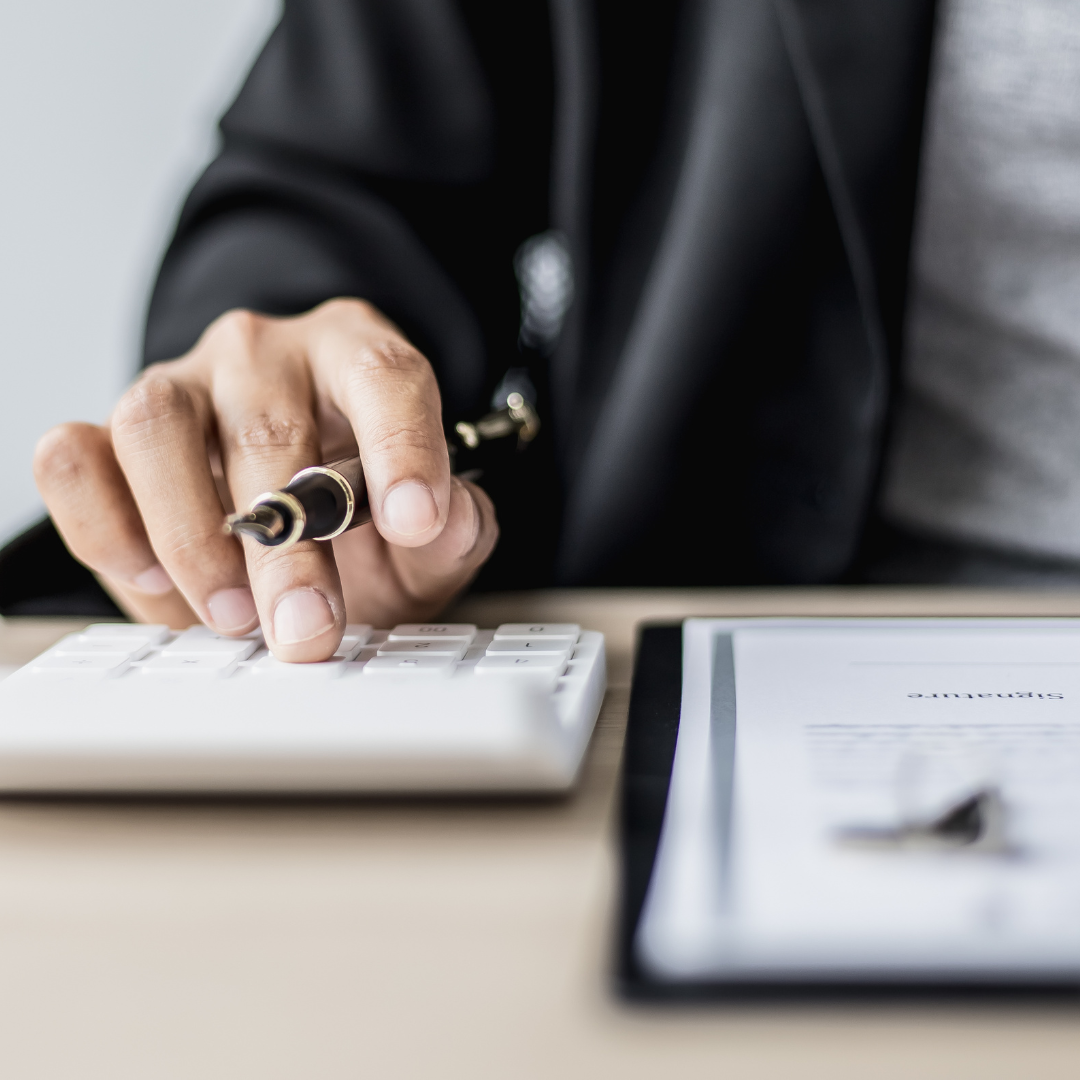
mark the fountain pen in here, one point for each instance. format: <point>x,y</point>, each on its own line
<point>324,501</point>
<point>318,503</point>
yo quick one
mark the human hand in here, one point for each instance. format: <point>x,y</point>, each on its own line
<point>142,499</point>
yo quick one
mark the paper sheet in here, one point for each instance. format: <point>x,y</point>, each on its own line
<point>838,730</point>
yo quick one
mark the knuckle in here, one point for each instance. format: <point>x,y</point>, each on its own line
<point>266,432</point>
<point>153,399</point>
<point>388,438</point>
<point>61,455</point>
<point>391,356</point>
<point>238,329</point>
<point>394,374</point>
<point>347,308</point>
<point>192,550</point>
<point>189,545</point>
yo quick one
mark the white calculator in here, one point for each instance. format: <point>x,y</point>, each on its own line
<point>122,707</point>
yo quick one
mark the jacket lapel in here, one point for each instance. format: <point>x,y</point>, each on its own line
<point>771,89</point>
<point>720,218</point>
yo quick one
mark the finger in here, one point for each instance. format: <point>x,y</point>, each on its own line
<point>95,514</point>
<point>434,574</point>
<point>171,609</point>
<point>388,392</point>
<point>262,395</point>
<point>159,435</point>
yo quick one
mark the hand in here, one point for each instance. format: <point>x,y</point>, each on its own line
<point>141,500</point>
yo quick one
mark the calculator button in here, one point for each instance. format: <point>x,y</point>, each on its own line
<point>550,665</point>
<point>102,666</point>
<point>139,632</point>
<point>411,666</point>
<point>530,646</point>
<point>452,647</point>
<point>279,669</point>
<point>352,641</point>
<point>428,631</point>
<point>201,632</point>
<point>536,630</point>
<point>215,665</point>
<point>201,641</point>
<point>79,645</point>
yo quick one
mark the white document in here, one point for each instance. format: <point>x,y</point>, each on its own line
<point>804,838</point>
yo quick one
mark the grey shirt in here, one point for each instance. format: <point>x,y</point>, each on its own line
<point>987,442</point>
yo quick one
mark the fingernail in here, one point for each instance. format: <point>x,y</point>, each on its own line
<point>153,581</point>
<point>409,508</point>
<point>231,609</point>
<point>300,616</point>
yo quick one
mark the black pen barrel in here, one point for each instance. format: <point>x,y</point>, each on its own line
<point>334,498</point>
<point>318,503</point>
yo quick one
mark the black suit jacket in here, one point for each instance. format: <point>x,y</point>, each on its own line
<point>737,181</point>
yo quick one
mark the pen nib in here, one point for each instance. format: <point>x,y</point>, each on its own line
<point>264,523</point>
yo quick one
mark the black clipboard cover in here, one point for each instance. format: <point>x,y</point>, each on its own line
<point>648,756</point>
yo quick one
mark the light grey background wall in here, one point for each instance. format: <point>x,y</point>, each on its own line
<point>107,113</point>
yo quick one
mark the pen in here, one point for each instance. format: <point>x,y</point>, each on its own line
<point>318,503</point>
<point>324,501</point>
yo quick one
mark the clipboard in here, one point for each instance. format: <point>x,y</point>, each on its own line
<point>652,737</point>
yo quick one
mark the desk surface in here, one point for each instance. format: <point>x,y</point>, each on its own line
<point>403,939</point>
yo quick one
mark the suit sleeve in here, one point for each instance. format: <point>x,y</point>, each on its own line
<point>349,102</point>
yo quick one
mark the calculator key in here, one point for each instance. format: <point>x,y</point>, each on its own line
<point>536,630</point>
<point>571,680</point>
<point>200,640</point>
<point>102,666</point>
<point>429,631</point>
<point>199,631</point>
<point>214,665</point>
<point>80,645</point>
<point>279,669</point>
<point>139,632</point>
<point>356,636</point>
<point>452,647</point>
<point>411,666</point>
<point>530,646</point>
<point>550,665</point>
<point>576,674</point>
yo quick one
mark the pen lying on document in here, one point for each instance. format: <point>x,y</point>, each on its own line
<point>975,823</point>
<point>324,501</point>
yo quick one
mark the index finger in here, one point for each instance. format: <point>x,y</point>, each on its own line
<point>388,392</point>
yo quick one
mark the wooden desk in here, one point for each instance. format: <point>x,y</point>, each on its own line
<point>384,940</point>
